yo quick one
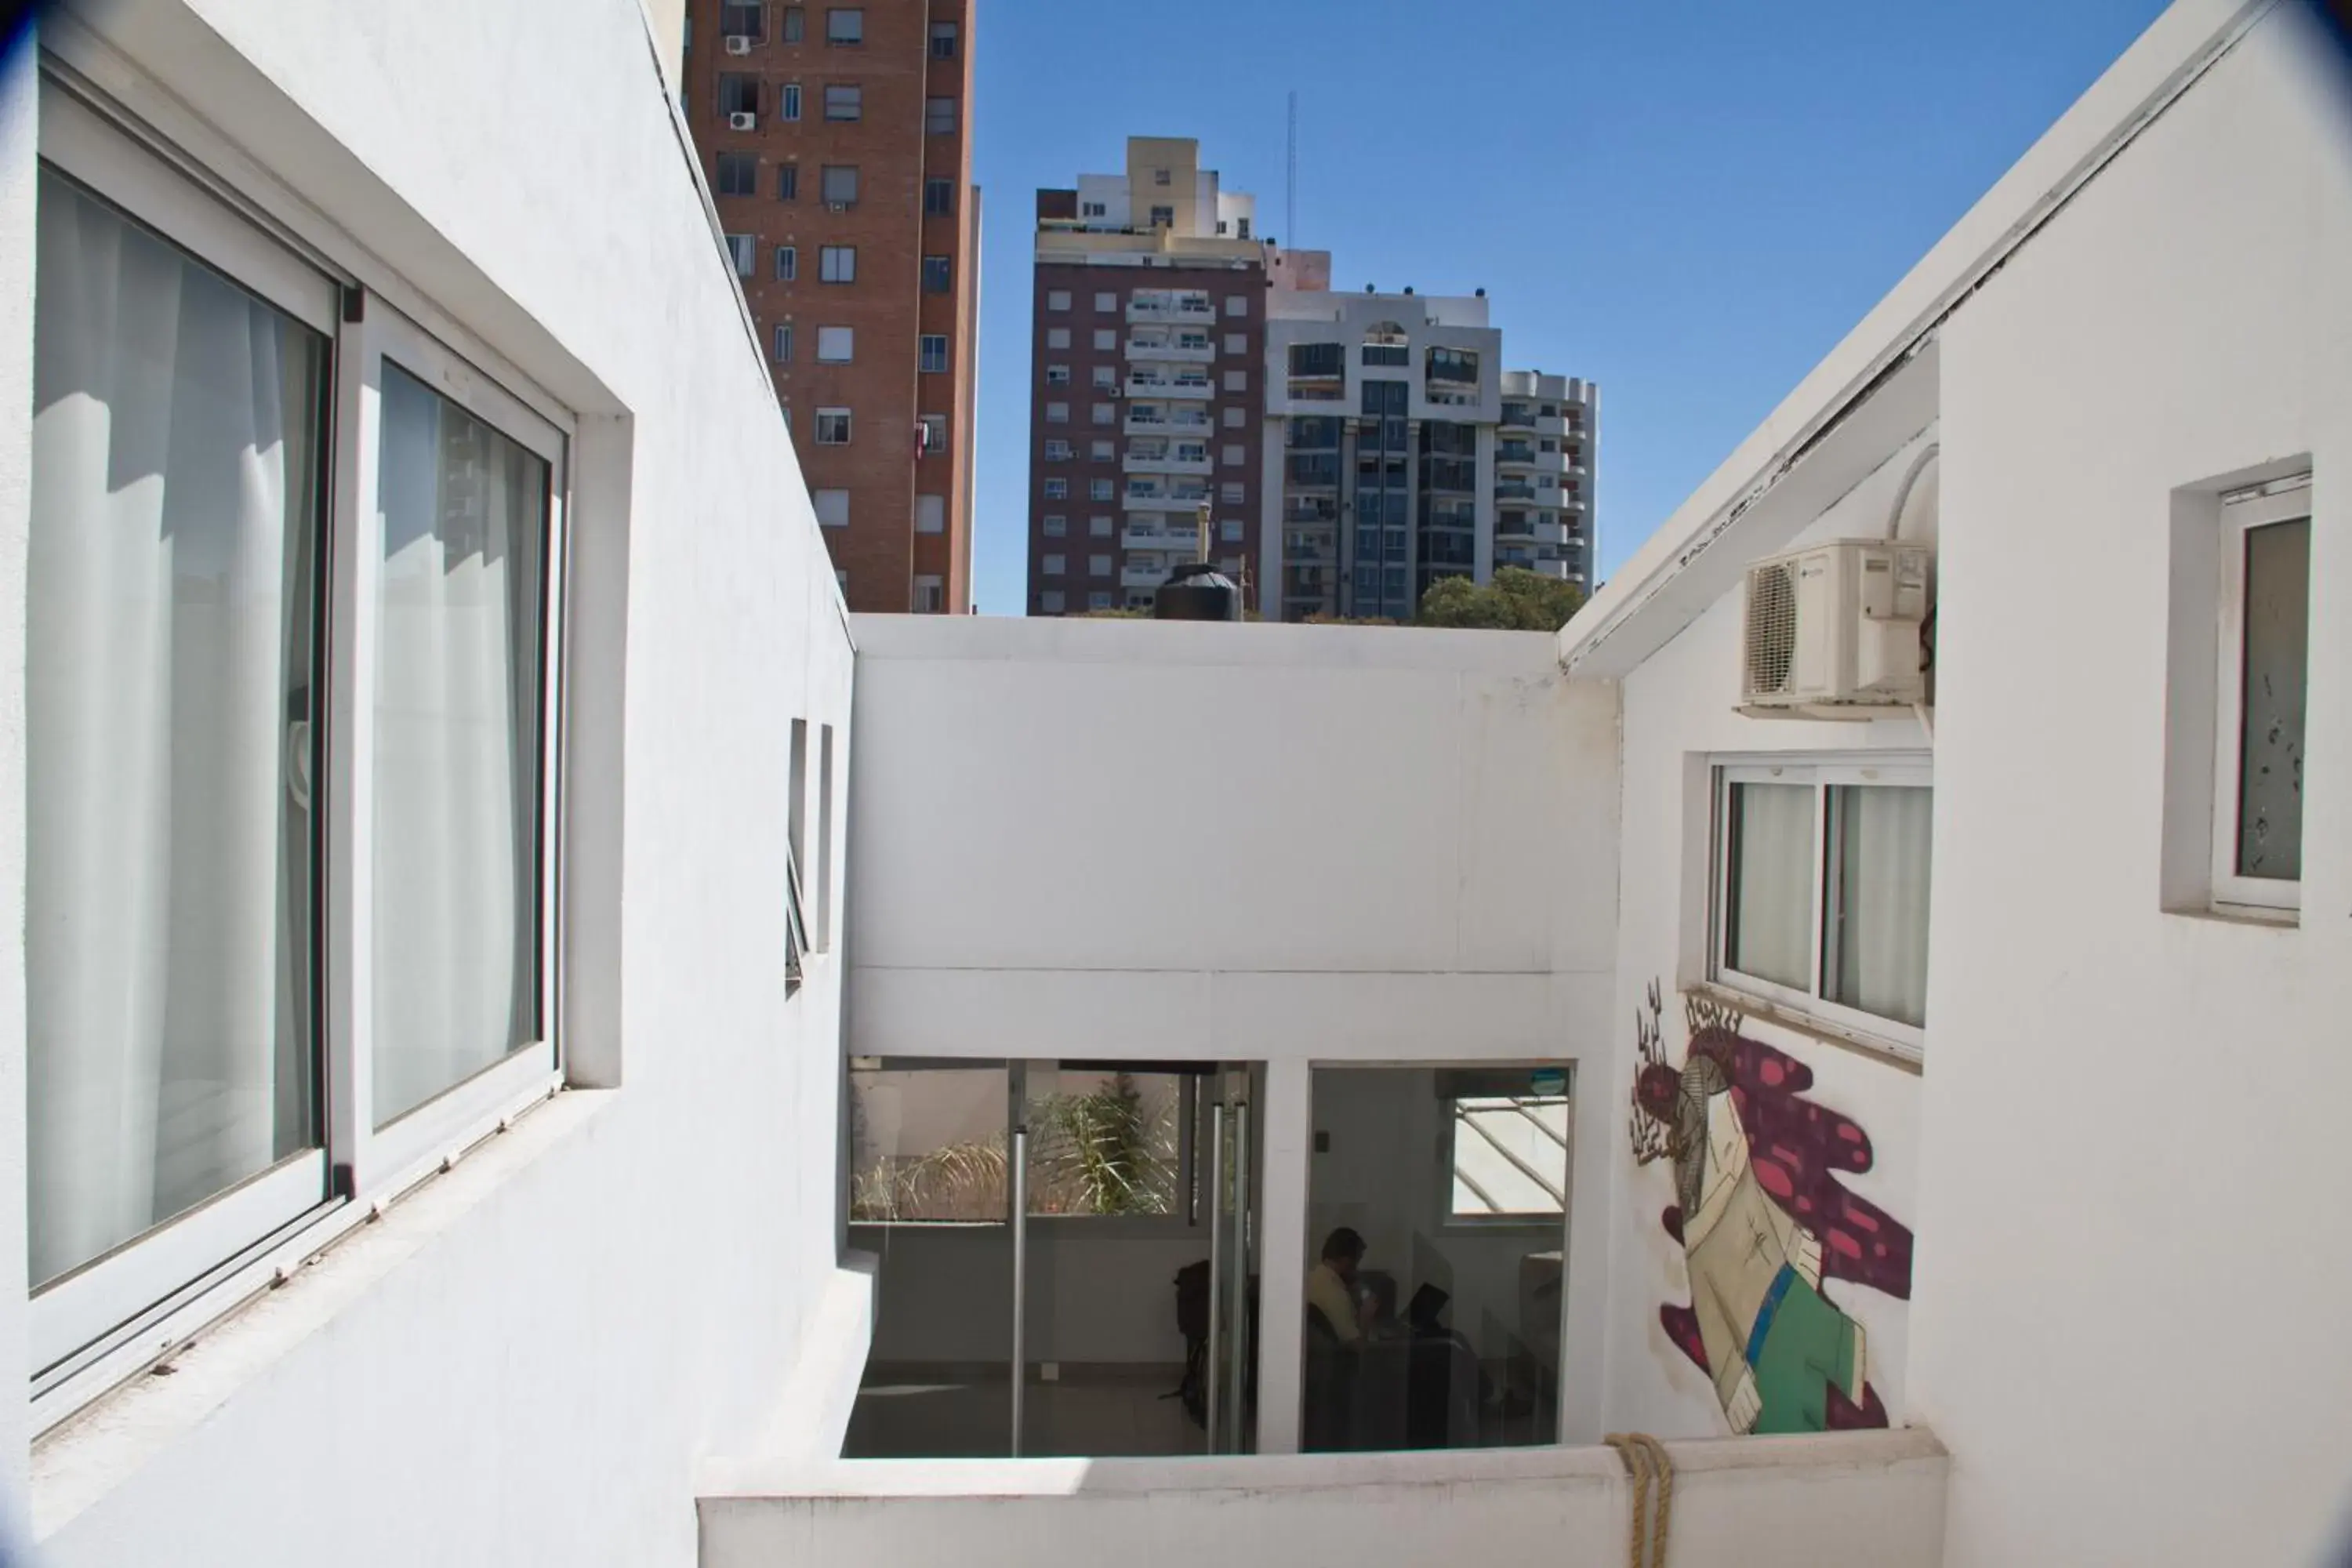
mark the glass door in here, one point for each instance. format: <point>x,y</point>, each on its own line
<point>1230,1197</point>
<point>932,1169</point>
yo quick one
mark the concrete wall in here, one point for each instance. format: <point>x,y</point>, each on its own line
<point>1680,709</point>
<point>1847,1500</point>
<point>518,1361</point>
<point>1286,844</point>
<point>2133,1116</point>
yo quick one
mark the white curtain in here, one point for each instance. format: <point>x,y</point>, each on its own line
<point>167,642</point>
<point>1773,860</point>
<point>460,514</point>
<point>1884,837</point>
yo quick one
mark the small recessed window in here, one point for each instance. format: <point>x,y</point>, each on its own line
<point>1057,490</point>
<point>1057,524</point>
<point>1163,218</point>
<point>939,116</point>
<point>840,184</point>
<point>938,198</point>
<point>932,352</point>
<point>931,431</point>
<point>1105,339</point>
<point>1107,301</point>
<point>744,249</point>
<point>938,274</point>
<point>782,343</point>
<point>844,24</point>
<point>788,96</point>
<point>2265,634</point>
<point>788,263</point>
<point>1057,299</point>
<point>831,507</point>
<point>1057,376</point>
<point>943,40</point>
<point>930,514</point>
<point>738,95</point>
<point>1058,414</point>
<point>833,426</point>
<point>836,345</point>
<point>845,101</point>
<point>837,264</point>
<point>737,20</point>
<point>739,173</point>
<point>788,183</point>
<point>792,35</point>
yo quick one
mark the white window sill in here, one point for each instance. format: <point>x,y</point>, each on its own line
<point>1901,1054</point>
<point>2255,915</point>
<point>103,1443</point>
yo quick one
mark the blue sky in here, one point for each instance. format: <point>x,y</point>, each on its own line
<point>1687,203</point>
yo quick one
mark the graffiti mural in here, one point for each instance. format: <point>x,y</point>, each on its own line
<point>1766,1225</point>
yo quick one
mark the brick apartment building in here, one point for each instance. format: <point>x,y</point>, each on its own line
<point>1150,322</point>
<point>836,142</point>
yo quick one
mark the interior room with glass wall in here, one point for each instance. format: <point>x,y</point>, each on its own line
<point>1092,1224</point>
<point>1436,1239</point>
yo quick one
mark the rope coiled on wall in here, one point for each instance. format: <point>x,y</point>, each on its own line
<point>1645,1460</point>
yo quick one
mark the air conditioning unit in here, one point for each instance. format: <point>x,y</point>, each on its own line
<point>738,43</point>
<point>837,206</point>
<point>1836,627</point>
<point>742,122</point>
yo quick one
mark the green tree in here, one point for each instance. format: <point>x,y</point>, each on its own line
<point>1517,600</point>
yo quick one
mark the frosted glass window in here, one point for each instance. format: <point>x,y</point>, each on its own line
<point>1768,897</point>
<point>460,532</point>
<point>2275,672</point>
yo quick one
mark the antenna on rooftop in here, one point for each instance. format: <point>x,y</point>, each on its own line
<point>1290,176</point>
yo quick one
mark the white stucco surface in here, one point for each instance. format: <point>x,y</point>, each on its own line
<point>521,1362</point>
<point>2132,1116</point>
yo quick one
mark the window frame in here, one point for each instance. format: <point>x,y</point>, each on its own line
<point>833,40</point>
<point>99,1322</point>
<point>788,100</point>
<point>2271,897</point>
<point>847,426</point>
<point>1821,772</point>
<point>787,264</point>
<point>851,104</point>
<point>837,264</point>
<point>925,344</point>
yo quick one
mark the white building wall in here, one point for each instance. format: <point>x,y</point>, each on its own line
<point>1279,844</point>
<point>1680,709</point>
<point>2126,1267</point>
<point>520,1362</point>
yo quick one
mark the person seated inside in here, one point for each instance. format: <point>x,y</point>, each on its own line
<point>1331,1293</point>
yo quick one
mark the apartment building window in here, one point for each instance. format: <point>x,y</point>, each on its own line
<point>938,274</point>
<point>1163,218</point>
<point>1233,417</point>
<point>1106,412</point>
<point>788,96</point>
<point>1058,299</point>
<point>1236,305</point>
<point>943,40</point>
<point>833,426</point>
<point>1100,490</point>
<point>1106,340</point>
<point>938,198</point>
<point>782,343</point>
<point>1097,565</point>
<point>1231,492</point>
<point>839,183</point>
<point>1107,301</point>
<point>1160,177</point>
<point>790,31</point>
<point>930,514</point>
<point>1233,454</point>
<point>1457,366</point>
<point>738,94</point>
<point>2264,642</point>
<point>1237,342</point>
<point>1058,337</point>
<point>1821,888</point>
<point>939,116</point>
<point>1236,381</point>
<point>844,25</point>
<point>1050,601</point>
<point>744,249</point>
<point>1093,209</point>
<point>831,507</point>
<point>836,345</point>
<point>1058,414</point>
<point>1098,601</point>
<point>743,21</point>
<point>1057,524</point>
<point>931,352</point>
<point>788,263</point>
<point>788,182</point>
<point>739,173</point>
<point>1230,529</point>
<point>1057,376</point>
<point>1098,526</point>
<point>837,264</point>
<point>1106,376</point>
<point>1057,451</point>
<point>845,101</point>
<point>930,595</point>
<point>1057,490</point>
<point>1100,451</point>
<point>1318,359</point>
<point>1056,565</point>
<point>186,506</point>
<point>931,429</point>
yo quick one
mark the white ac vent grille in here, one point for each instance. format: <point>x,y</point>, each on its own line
<point>1772,628</point>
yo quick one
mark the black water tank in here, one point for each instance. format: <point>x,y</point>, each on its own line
<point>1198,592</point>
